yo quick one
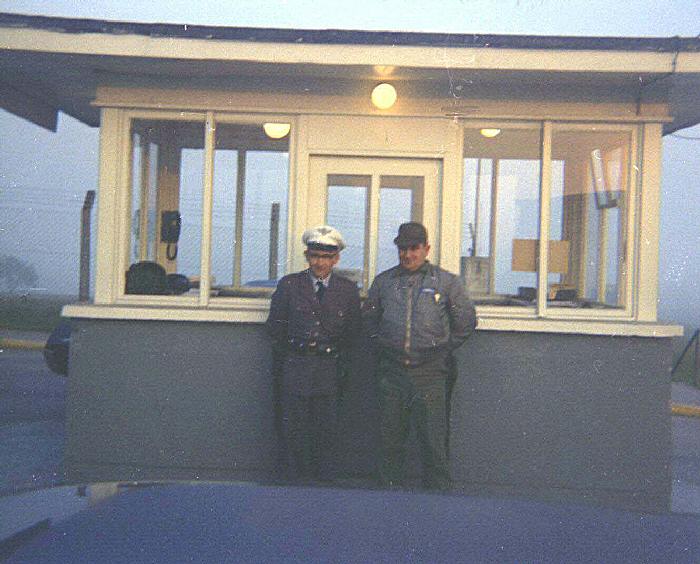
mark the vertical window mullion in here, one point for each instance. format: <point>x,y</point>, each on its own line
<point>545,213</point>
<point>124,182</point>
<point>240,201</point>
<point>634,166</point>
<point>207,205</point>
<point>493,231</point>
<point>372,234</point>
<point>144,177</point>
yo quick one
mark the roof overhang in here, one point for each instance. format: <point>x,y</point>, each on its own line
<point>49,65</point>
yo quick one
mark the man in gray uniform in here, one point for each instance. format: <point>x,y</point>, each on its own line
<point>417,314</point>
<point>314,317</point>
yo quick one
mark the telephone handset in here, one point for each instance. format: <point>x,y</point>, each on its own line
<point>170,222</point>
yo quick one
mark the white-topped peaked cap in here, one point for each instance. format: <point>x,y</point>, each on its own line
<point>323,238</point>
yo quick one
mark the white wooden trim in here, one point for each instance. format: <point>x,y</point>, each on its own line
<point>123,211</point>
<point>630,227</point>
<point>107,221</point>
<point>372,233</point>
<point>293,191</point>
<point>356,105</point>
<point>455,58</point>
<point>163,114</point>
<point>253,313</point>
<point>207,203</point>
<point>256,311</point>
<point>580,327</point>
<point>545,215</point>
<point>299,194</point>
<point>451,200</point>
<point>648,262</point>
<point>493,230</point>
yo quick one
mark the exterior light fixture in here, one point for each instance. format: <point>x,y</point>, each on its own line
<point>384,96</point>
<point>490,132</point>
<point>276,130</point>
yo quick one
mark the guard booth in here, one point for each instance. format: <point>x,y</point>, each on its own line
<point>534,163</point>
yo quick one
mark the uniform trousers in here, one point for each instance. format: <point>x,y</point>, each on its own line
<point>413,396</point>
<point>309,417</point>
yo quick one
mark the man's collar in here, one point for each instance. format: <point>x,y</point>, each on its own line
<point>326,281</point>
<point>401,271</point>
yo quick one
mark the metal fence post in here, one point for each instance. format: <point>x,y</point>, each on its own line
<point>274,240</point>
<point>84,291</point>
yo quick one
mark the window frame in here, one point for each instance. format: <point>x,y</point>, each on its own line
<point>258,297</point>
<point>547,127</point>
<point>630,227</point>
<point>375,167</point>
<point>114,228</point>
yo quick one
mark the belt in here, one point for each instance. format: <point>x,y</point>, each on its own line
<point>312,348</point>
<point>411,362</point>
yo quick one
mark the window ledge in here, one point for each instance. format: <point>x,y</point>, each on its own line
<point>581,327</point>
<point>255,311</point>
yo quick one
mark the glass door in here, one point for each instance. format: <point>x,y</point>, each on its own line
<point>367,199</point>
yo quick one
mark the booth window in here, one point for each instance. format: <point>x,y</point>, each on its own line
<point>249,225</point>
<point>588,219</point>
<point>588,223</point>
<point>346,208</point>
<point>368,210</point>
<point>500,222</point>
<point>248,195</point>
<point>166,200</point>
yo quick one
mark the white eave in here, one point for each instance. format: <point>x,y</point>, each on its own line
<point>370,56</point>
<point>46,67</point>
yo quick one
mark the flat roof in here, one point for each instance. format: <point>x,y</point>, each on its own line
<point>353,37</point>
<point>55,64</point>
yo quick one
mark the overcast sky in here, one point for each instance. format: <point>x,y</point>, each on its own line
<point>48,173</point>
<point>541,17</point>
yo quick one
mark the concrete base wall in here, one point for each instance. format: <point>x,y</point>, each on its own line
<point>572,417</point>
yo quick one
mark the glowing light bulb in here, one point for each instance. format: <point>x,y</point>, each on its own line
<point>276,130</point>
<point>490,132</point>
<point>384,96</point>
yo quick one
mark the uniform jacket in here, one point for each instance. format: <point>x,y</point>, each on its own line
<point>296,313</point>
<point>415,316</point>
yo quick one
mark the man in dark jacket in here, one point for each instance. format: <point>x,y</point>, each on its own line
<point>314,316</point>
<point>417,314</point>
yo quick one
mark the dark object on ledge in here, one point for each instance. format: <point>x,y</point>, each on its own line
<point>149,278</point>
<point>565,295</point>
<point>527,293</point>
<point>146,277</point>
<point>178,284</point>
<point>57,347</point>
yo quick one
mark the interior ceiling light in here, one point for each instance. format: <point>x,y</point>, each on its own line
<point>488,132</point>
<point>276,130</point>
<point>384,96</point>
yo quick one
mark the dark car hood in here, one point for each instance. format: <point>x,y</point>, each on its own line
<point>208,522</point>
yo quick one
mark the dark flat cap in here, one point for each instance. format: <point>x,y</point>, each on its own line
<point>411,233</point>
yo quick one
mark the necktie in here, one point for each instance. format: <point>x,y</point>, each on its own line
<point>320,290</point>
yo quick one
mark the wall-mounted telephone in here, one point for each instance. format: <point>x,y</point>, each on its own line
<point>170,222</point>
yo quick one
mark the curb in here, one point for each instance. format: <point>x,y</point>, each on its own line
<point>21,344</point>
<point>685,410</point>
